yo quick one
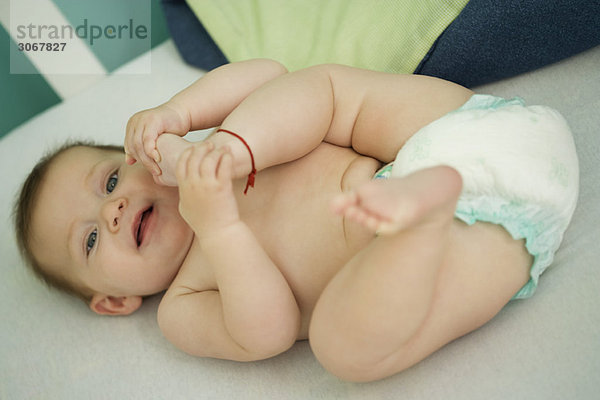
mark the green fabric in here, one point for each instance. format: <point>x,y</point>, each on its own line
<point>383,35</point>
<point>22,95</point>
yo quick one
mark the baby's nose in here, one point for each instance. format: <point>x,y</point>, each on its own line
<point>113,212</point>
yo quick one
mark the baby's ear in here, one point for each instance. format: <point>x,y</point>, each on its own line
<point>109,305</point>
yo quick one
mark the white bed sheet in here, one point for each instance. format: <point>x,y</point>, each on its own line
<point>52,347</point>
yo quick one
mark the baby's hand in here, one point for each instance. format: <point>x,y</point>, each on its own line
<point>144,128</point>
<point>206,199</point>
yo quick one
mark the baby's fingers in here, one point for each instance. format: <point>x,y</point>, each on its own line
<point>129,140</point>
<point>190,161</point>
<point>214,167</point>
<point>142,136</point>
<point>209,164</point>
<point>225,168</point>
<point>150,135</point>
<point>129,159</point>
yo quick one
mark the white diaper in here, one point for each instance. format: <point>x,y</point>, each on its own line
<point>519,169</point>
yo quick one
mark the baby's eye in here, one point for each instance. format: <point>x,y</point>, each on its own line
<point>111,183</point>
<point>91,241</point>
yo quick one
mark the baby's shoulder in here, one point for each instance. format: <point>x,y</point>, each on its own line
<point>195,273</point>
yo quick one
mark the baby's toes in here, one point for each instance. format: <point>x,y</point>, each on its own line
<point>340,203</point>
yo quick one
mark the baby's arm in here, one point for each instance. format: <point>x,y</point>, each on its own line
<point>253,313</point>
<point>204,104</point>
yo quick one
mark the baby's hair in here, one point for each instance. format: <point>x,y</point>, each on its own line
<point>23,211</point>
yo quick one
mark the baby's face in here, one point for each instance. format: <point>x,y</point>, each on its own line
<point>107,225</point>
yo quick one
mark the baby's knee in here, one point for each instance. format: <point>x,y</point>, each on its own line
<point>351,354</point>
<point>335,357</point>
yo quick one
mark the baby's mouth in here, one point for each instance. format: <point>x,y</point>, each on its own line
<point>142,224</point>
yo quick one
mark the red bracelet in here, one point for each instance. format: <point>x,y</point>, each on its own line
<point>252,174</point>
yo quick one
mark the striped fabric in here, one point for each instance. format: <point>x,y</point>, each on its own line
<point>32,81</point>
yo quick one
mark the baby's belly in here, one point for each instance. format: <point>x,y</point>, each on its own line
<point>302,236</point>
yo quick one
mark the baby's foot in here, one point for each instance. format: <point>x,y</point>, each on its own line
<point>170,148</point>
<point>387,206</point>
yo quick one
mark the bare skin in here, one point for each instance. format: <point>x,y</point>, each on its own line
<point>370,305</point>
<point>304,264</point>
<point>403,287</point>
<point>410,272</point>
<point>276,266</point>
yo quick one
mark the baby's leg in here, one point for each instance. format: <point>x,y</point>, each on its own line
<point>410,291</point>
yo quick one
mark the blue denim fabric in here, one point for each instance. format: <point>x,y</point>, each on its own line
<point>193,42</point>
<point>492,40</point>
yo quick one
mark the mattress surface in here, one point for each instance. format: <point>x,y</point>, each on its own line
<point>53,347</point>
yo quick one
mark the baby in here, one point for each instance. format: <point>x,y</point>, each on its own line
<point>239,229</point>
